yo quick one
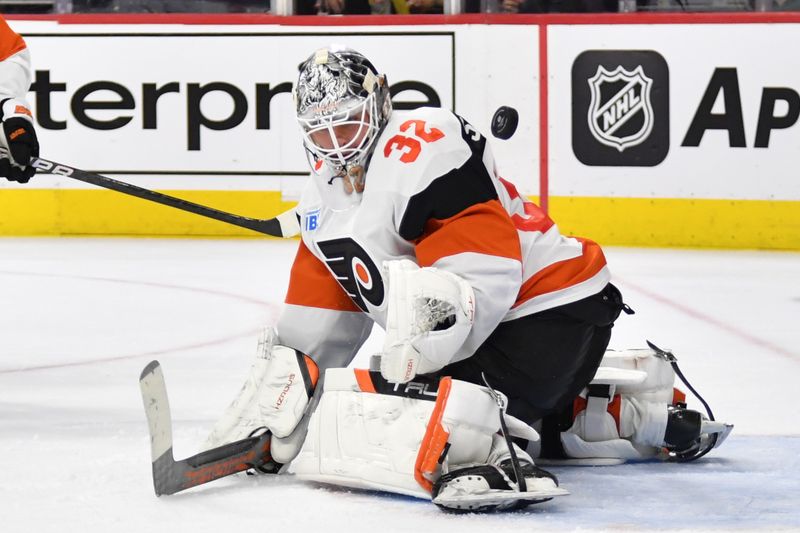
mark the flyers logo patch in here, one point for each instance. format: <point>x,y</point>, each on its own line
<point>355,271</point>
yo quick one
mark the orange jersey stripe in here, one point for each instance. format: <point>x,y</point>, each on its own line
<point>10,41</point>
<point>535,219</point>
<point>483,228</point>
<point>564,274</point>
<point>312,285</point>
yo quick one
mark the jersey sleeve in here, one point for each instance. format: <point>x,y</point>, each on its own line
<point>15,63</point>
<point>480,245</point>
<point>457,223</point>
<point>319,319</point>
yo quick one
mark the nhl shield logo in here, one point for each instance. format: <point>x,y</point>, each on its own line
<point>620,113</point>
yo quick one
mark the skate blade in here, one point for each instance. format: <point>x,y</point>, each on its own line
<point>498,498</point>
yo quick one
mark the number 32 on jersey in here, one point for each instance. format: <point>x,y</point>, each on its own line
<point>415,134</point>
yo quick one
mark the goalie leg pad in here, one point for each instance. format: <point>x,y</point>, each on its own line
<point>274,397</point>
<point>630,411</point>
<point>368,433</point>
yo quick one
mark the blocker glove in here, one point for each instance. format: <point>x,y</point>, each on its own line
<point>18,142</point>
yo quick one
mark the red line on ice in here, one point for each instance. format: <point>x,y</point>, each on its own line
<point>151,353</point>
<point>752,339</point>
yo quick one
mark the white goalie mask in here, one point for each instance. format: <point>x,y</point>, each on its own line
<point>342,103</point>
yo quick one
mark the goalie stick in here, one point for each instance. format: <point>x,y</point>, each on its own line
<point>171,476</point>
<point>284,225</point>
<point>503,126</point>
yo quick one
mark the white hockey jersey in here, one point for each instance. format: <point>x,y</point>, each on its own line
<point>431,195</point>
<point>15,64</point>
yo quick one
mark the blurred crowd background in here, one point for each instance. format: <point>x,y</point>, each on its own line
<point>336,7</point>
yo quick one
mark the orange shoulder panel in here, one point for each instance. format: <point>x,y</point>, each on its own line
<point>312,285</point>
<point>483,228</point>
<point>10,41</point>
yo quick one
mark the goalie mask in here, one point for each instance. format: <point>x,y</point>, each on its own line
<point>342,103</point>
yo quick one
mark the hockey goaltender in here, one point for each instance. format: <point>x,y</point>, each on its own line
<point>497,326</point>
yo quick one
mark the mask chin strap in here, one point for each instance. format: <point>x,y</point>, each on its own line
<point>700,450</point>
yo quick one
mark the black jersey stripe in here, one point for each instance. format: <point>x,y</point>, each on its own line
<point>451,193</point>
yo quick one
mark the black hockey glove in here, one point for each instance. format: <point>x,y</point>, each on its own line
<point>18,139</point>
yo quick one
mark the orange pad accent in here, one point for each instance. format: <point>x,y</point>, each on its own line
<point>614,406</point>
<point>578,405</point>
<point>313,370</point>
<point>678,396</point>
<point>435,439</point>
<point>364,380</point>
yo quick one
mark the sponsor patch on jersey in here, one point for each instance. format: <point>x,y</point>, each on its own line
<point>311,220</point>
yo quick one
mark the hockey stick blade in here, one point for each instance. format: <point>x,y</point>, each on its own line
<point>171,476</point>
<point>284,225</point>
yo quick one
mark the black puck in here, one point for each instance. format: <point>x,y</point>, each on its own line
<point>504,122</point>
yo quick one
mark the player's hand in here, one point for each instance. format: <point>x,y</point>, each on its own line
<point>17,140</point>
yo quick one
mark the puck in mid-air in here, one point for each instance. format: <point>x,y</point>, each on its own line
<point>504,122</point>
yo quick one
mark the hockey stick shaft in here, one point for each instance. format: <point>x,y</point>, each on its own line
<point>171,476</point>
<point>284,225</point>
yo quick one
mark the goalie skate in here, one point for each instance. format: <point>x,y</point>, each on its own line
<point>486,488</point>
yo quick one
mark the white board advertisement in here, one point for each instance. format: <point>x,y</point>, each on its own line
<point>675,111</point>
<point>180,107</point>
<point>202,104</point>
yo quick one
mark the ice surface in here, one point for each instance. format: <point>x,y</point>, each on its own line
<point>81,317</point>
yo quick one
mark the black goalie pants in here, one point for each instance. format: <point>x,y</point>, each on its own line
<point>542,361</point>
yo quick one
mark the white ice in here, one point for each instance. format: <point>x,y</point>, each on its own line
<point>80,318</point>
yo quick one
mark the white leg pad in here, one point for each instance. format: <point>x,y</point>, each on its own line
<point>382,441</point>
<point>640,387</point>
<point>648,377</point>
